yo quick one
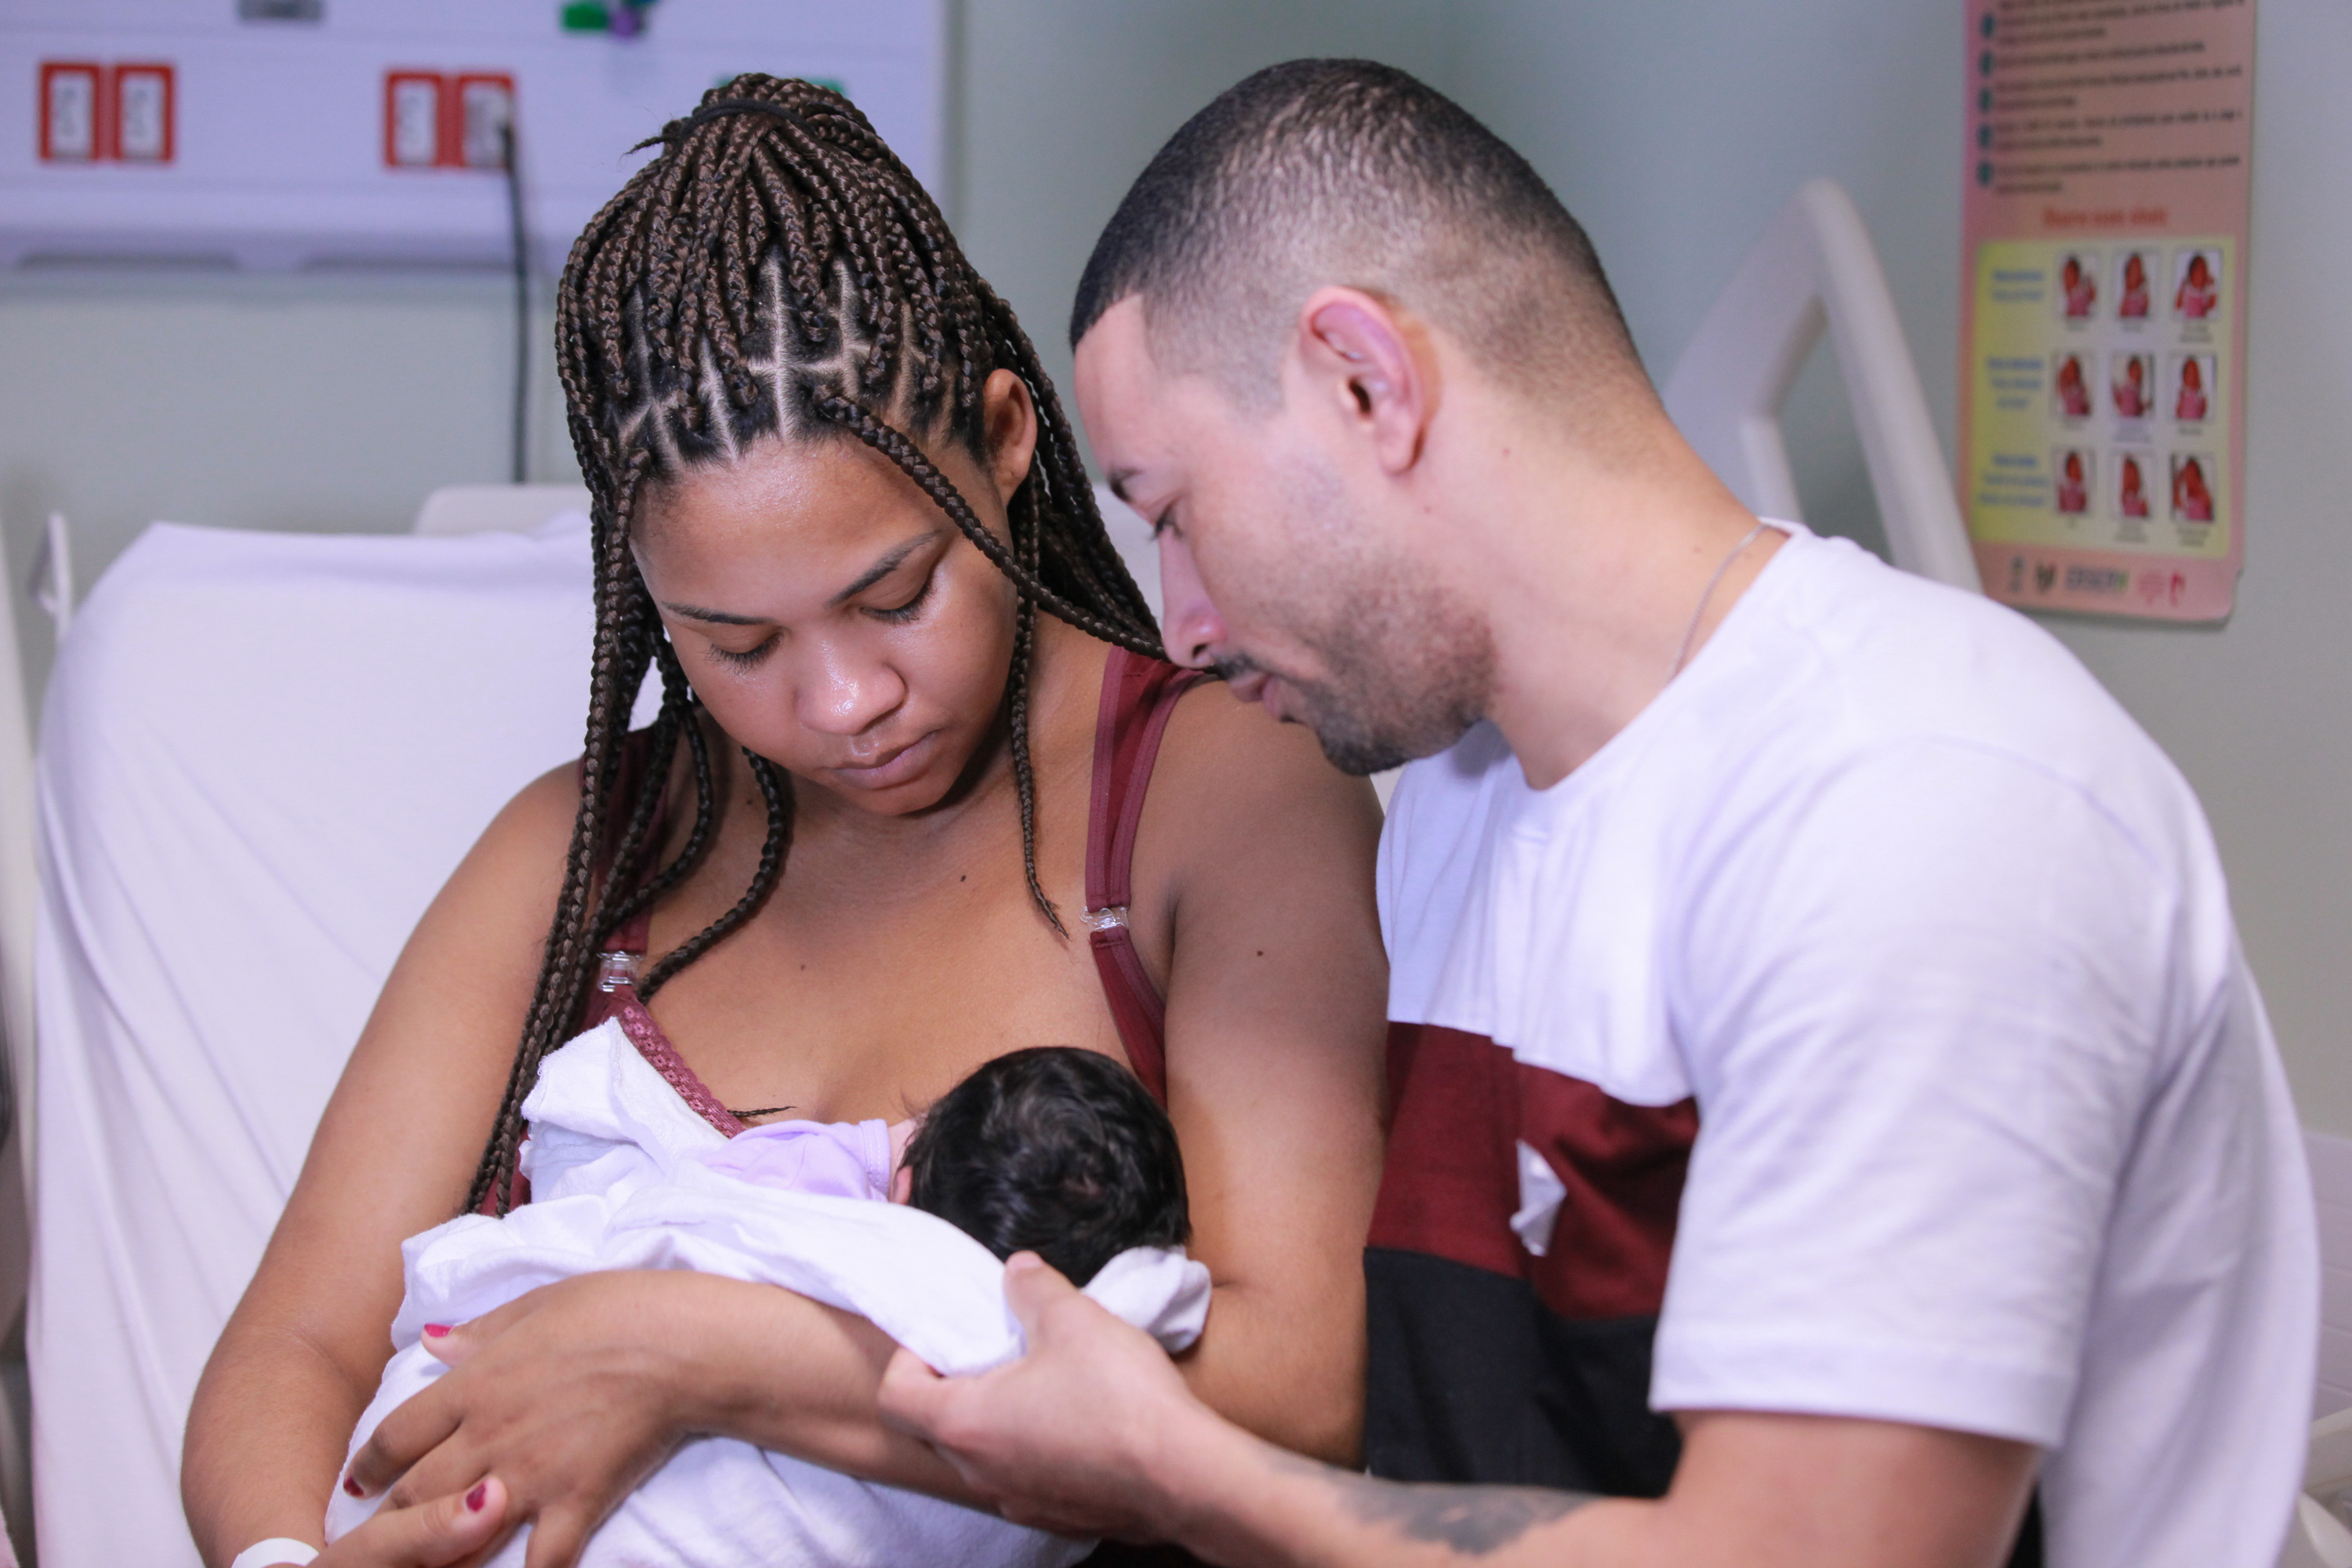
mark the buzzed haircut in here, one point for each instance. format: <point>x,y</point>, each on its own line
<point>1348,171</point>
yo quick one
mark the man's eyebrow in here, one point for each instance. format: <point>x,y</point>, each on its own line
<point>882,568</point>
<point>1117,479</point>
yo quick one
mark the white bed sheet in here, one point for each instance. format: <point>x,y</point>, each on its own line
<point>261,755</point>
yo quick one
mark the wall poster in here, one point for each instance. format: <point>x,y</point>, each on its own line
<point>2103,390</point>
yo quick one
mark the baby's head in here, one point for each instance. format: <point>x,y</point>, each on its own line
<point>1055,1150</point>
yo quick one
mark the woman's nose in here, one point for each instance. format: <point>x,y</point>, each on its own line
<point>845,695</point>
<point>1190,623</point>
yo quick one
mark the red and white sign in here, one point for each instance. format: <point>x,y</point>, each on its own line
<point>412,118</point>
<point>72,112</point>
<point>485,109</point>
<point>92,113</point>
<point>437,121</point>
<point>144,108</point>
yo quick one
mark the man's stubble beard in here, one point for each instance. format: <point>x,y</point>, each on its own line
<point>1408,667</point>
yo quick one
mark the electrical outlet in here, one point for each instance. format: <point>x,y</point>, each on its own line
<point>485,109</point>
<point>72,112</point>
<point>412,118</point>
<point>142,113</point>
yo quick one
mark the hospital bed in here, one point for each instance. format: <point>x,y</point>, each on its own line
<point>261,754</point>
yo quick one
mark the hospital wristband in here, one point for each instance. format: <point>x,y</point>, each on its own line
<point>277,1552</point>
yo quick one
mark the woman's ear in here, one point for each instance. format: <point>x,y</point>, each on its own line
<point>1008,425</point>
<point>1358,355</point>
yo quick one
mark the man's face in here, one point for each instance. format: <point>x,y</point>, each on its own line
<point>1285,562</point>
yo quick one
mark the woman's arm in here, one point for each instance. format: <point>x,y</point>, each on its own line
<point>660,1355</point>
<point>393,1155</point>
<point>1277,1004</point>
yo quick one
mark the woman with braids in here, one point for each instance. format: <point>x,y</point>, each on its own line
<point>922,792</point>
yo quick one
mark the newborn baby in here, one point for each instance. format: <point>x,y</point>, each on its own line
<point>1052,1150</point>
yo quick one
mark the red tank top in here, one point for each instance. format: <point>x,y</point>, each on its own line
<point>1139,695</point>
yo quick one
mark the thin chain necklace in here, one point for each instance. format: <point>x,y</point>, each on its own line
<point>1699,614</point>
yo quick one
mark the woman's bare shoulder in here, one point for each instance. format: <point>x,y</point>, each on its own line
<point>1228,760</point>
<point>482,937</point>
<point>1242,805</point>
<point>539,817</point>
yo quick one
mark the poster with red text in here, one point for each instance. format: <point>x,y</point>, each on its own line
<point>2103,388</point>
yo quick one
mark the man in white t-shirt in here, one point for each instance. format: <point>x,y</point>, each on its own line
<point>1995,1242</point>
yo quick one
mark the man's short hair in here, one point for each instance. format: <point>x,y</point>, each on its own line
<point>1352,173</point>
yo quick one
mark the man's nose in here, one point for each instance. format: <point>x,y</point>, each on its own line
<point>847,695</point>
<point>1188,621</point>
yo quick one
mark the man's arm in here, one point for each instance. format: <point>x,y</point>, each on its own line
<point>1093,1433</point>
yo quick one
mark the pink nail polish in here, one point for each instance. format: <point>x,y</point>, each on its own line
<point>352,1487</point>
<point>436,1330</point>
<point>477,1497</point>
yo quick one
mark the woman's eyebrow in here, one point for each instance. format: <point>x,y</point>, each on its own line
<point>715,617</point>
<point>889,563</point>
<point>882,568</point>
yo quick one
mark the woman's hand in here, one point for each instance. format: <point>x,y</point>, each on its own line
<point>448,1530</point>
<point>569,1396</point>
<point>574,1394</point>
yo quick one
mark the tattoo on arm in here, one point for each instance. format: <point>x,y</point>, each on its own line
<point>1469,1519</point>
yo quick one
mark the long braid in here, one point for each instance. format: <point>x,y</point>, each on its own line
<point>563,973</point>
<point>776,790</point>
<point>775,271</point>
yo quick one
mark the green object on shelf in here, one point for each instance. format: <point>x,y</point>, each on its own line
<point>586,16</point>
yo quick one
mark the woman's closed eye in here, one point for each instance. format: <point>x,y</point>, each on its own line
<point>745,658</point>
<point>900,614</point>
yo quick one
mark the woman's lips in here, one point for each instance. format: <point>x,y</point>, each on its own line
<point>894,768</point>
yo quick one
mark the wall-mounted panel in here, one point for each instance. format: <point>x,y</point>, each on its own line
<point>353,133</point>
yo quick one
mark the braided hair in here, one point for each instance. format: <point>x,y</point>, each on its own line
<point>774,271</point>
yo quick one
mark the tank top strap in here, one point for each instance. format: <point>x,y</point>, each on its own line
<point>1138,697</point>
<point>620,960</point>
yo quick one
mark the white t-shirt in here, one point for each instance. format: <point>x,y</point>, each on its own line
<point>1993,1132</point>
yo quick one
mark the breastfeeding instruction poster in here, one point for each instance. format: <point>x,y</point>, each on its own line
<point>2102,336</point>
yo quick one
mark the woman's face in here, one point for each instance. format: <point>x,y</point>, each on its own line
<point>829,615</point>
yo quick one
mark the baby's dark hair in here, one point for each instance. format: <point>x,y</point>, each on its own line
<point>1055,1150</point>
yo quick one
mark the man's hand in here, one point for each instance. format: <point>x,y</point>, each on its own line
<point>566,1395</point>
<point>1093,1433</point>
<point>436,1534</point>
<point>1080,1435</point>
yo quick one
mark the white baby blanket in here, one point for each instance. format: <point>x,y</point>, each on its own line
<point>618,1181</point>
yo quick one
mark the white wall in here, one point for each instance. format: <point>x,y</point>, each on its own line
<point>1674,128</point>
<point>1065,101</point>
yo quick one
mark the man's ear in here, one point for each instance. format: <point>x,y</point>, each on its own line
<point>1009,425</point>
<point>1372,368</point>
